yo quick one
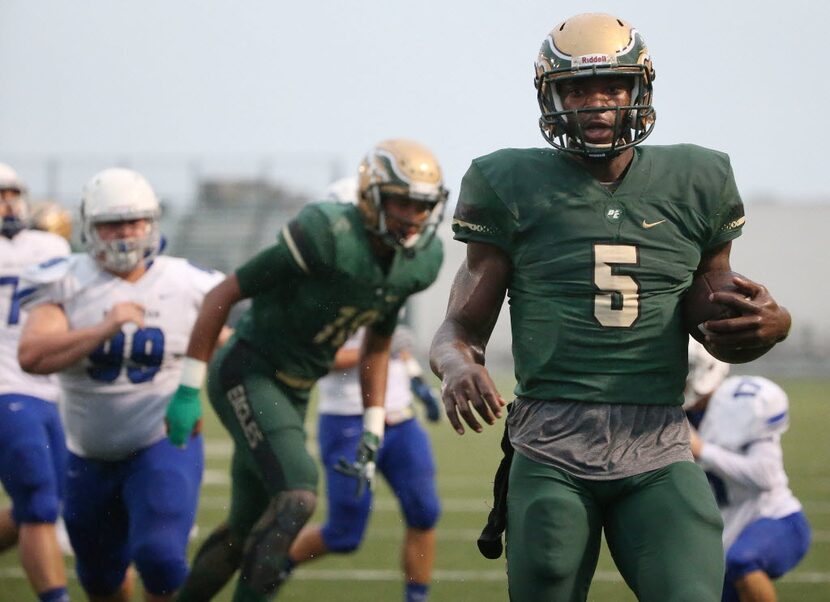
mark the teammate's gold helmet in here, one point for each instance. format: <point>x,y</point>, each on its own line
<point>51,217</point>
<point>402,168</point>
<point>589,45</point>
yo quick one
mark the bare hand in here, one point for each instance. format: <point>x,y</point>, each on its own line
<point>470,386</point>
<point>762,322</point>
<point>123,313</point>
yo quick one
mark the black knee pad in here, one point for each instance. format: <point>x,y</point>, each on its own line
<point>264,564</point>
<point>220,544</point>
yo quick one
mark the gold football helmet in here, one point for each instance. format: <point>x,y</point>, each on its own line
<point>401,168</point>
<point>590,45</point>
<point>51,217</point>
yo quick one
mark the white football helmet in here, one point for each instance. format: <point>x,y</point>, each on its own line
<point>706,374</point>
<point>115,195</point>
<point>745,409</point>
<point>14,196</point>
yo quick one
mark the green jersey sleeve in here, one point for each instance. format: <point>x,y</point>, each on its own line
<point>728,219</point>
<point>386,325</point>
<point>304,246</point>
<point>481,215</point>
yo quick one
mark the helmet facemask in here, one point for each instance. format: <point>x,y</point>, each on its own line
<point>17,217</point>
<point>13,197</point>
<point>562,127</point>
<point>425,231</point>
<point>123,255</point>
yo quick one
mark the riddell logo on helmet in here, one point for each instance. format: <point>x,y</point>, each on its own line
<point>594,59</point>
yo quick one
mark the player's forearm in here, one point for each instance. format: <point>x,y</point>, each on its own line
<point>452,346</point>
<point>213,314</point>
<point>476,298</point>
<point>46,353</point>
<point>755,469</point>
<point>374,367</point>
<point>346,357</point>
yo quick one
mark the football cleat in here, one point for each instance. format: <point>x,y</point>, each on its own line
<point>591,45</point>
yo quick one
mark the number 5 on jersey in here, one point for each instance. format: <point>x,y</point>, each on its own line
<point>617,304</point>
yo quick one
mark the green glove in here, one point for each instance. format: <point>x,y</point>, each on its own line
<point>184,410</point>
<point>363,468</point>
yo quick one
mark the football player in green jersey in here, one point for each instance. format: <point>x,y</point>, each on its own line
<point>595,241</point>
<point>335,267</point>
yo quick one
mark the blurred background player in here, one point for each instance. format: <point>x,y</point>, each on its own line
<point>706,373</point>
<point>114,322</point>
<point>334,268</point>
<point>32,449</point>
<point>49,216</point>
<point>765,532</point>
<point>405,459</point>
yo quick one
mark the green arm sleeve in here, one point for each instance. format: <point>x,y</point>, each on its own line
<point>386,325</point>
<point>727,222</point>
<point>481,215</point>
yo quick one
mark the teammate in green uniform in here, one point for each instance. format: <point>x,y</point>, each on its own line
<point>334,268</point>
<point>595,241</point>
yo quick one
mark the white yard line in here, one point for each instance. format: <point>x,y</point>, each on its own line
<point>439,575</point>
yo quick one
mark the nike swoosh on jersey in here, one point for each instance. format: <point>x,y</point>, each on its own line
<point>647,225</point>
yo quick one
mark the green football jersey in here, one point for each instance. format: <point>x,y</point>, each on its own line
<point>598,276</point>
<point>318,284</point>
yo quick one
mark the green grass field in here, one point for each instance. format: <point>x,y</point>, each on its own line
<point>465,468</point>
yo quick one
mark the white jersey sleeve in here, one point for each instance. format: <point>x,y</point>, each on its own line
<point>339,391</point>
<point>17,254</point>
<point>115,399</point>
<point>741,452</point>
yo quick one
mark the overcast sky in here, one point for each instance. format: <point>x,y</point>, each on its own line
<point>319,82</point>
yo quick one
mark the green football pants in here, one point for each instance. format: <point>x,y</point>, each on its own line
<point>663,529</point>
<point>265,418</point>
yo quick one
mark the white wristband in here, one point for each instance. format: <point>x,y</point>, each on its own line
<point>374,420</point>
<point>413,368</point>
<point>193,372</point>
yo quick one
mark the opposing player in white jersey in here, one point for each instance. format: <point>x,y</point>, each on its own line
<point>739,446</point>
<point>114,323</point>
<point>32,450</point>
<point>405,459</point>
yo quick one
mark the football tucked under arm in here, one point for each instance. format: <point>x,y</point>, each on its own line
<point>700,310</point>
